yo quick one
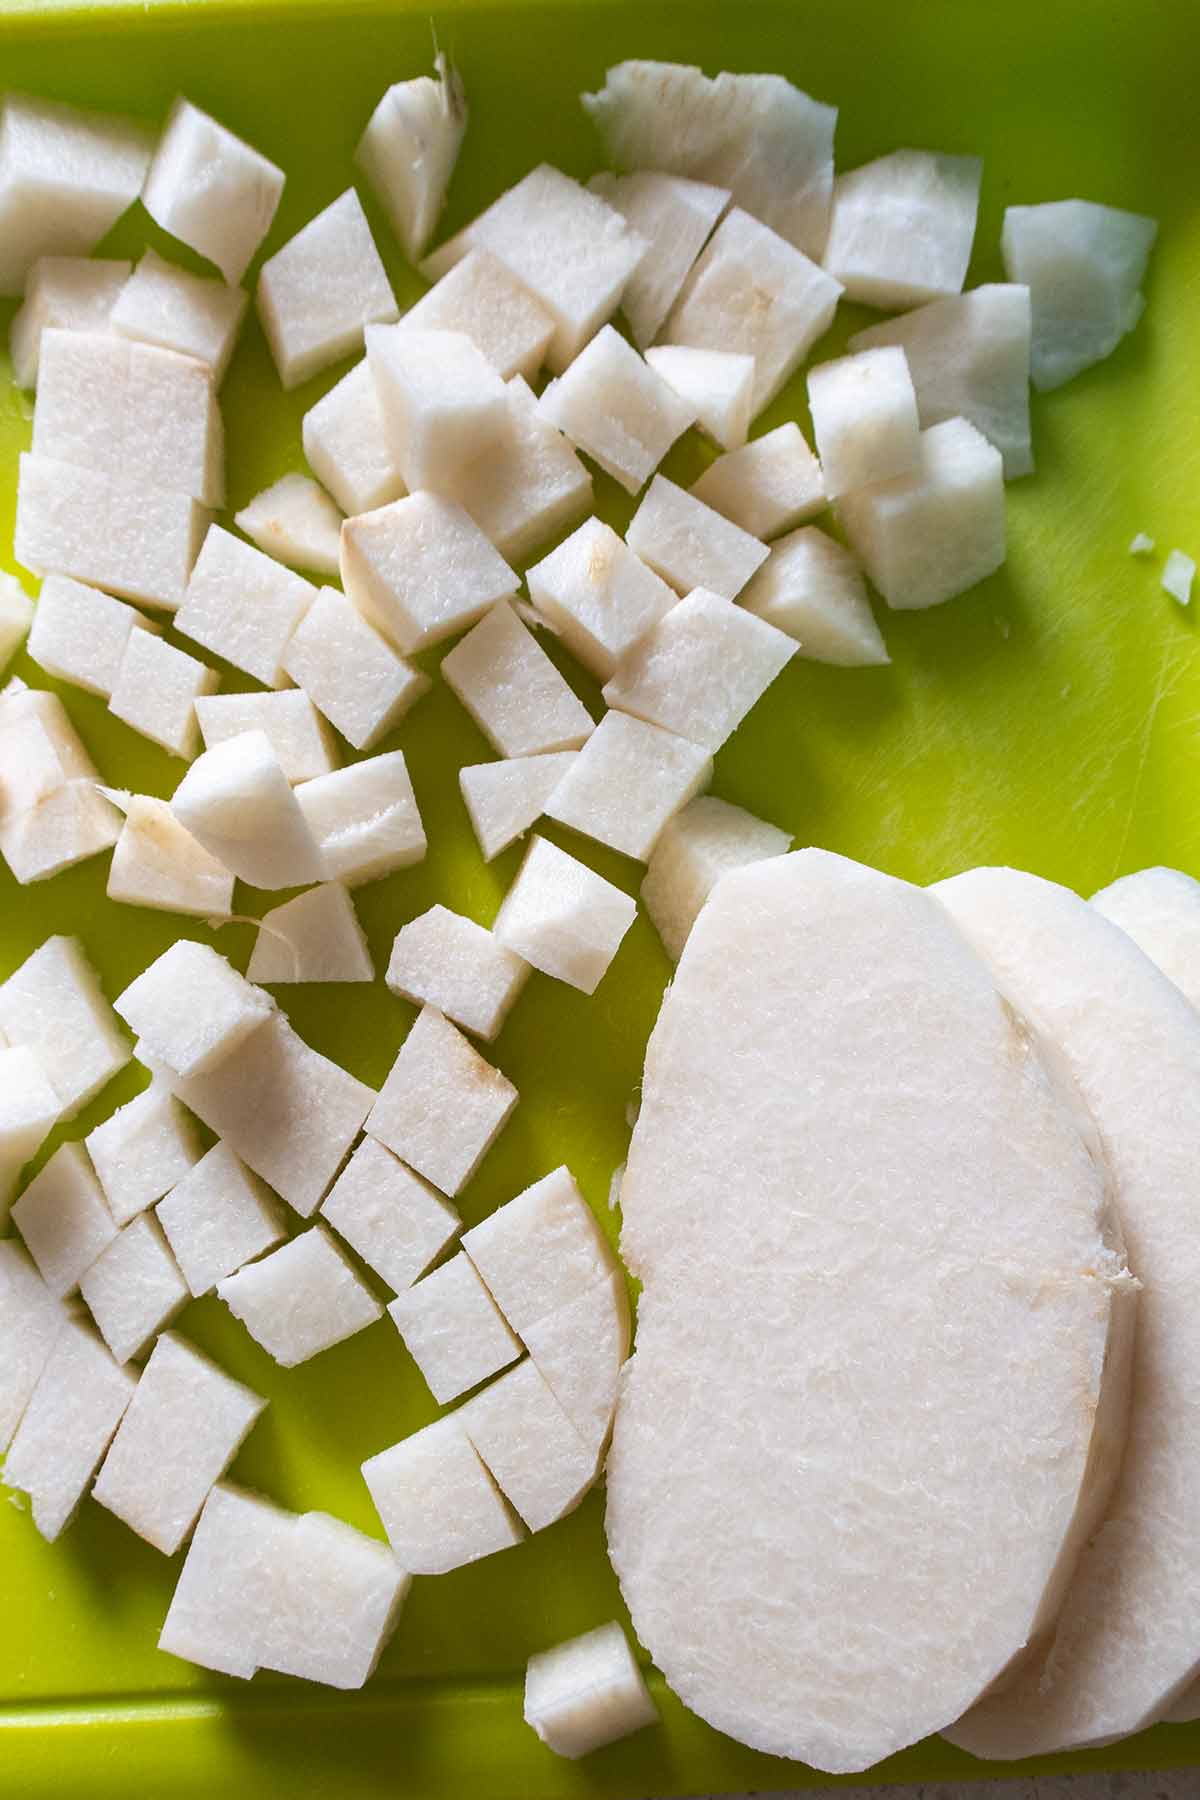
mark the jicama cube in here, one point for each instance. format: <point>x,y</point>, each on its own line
<point>675,216</point>
<point>1083,265</point>
<point>569,247</point>
<point>562,917</point>
<point>444,960</point>
<point>68,825</point>
<point>480,298</point>
<point>350,672</point>
<point>587,1692</point>
<point>627,781</point>
<point>69,1423</point>
<point>717,385</point>
<point>156,863</point>
<point>701,669</point>
<point>243,605</point>
<point>934,532</point>
<point>540,1251</point>
<point>902,227</point>
<point>63,1219</point>
<point>503,799</point>
<point>347,446</point>
<point>535,1455</point>
<point>453,1329</point>
<point>230,1582</point>
<point>420,569</point>
<point>364,819</point>
<point>146,1147</point>
<point>439,1506</point>
<point>63,293</point>
<point>156,691</point>
<point>395,1221</point>
<point>442,1106</point>
<point>296,522</point>
<point>811,587</point>
<point>442,401</point>
<point>16,616</point>
<point>30,1319</point>
<point>80,634</point>
<point>614,406</point>
<point>529,486</point>
<point>409,149</point>
<point>315,937</point>
<point>766,486</point>
<point>512,690</point>
<point>697,847</point>
<point>317,293</point>
<point>183,1428</point>
<point>296,733</point>
<point>54,1006</point>
<point>237,801</point>
<point>211,190</point>
<point>301,1299</point>
<point>689,544</point>
<point>134,1288</point>
<point>219,1217</point>
<point>191,314</point>
<point>29,1110</point>
<point>40,749</point>
<point>1179,572</point>
<point>580,1349</point>
<point>66,176</point>
<point>190,1009</point>
<point>597,595</point>
<point>340,1594</point>
<point>751,291</point>
<point>864,414</point>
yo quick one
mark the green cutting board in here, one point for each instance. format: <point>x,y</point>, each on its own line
<point>1048,718</point>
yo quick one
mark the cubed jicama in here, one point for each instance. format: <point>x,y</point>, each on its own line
<point>444,960</point>
<point>675,216</point>
<point>503,799</point>
<point>1178,574</point>
<point>315,937</point>
<point>134,1289</point>
<point>156,690</point>
<point>587,1692</point>
<point>191,314</point>
<point>63,293</point>
<point>243,606</point>
<point>409,149</point>
<point>902,227</point>
<point>218,1217</point>
<point>562,917</point>
<point>524,1438</point>
<point>29,1110</point>
<point>512,690</point>
<point>30,1319</point>
<point>627,781</point>
<point>689,544</point>
<point>67,826</point>
<point>580,1349</point>
<point>364,819</point>
<point>16,616</point>
<point>439,1506</point>
<point>597,595</point>
<point>211,190</point>
<point>766,486</point>
<point>453,1329</point>
<point>79,634</point>
<point>349,670</point>
<point>441,399</point>
<point>811,587</point>
<point>717,385</point>
<point>238,803</point>
<point>300,1299</point>
<point>442,1106</point>
<point>142,1150</point>
<point>40,750</point>
<point>482,299</point>
<point>864,414</point>
<point>393,1219</point>
<point>69,1423</point>
<point>229,1583</point>
<point>420,569</point>
<point>156,863</point>
<point>540,1251</point>
<point>1083,265</point>
<point>54,1006</point>
<point>296,522</point>
<point>615,407</point>
<point>64,1220</point>
<point>317,293</point>
<point>697,847</point>
<point>339,1597</point>
<point>530,486</point>
<point>300,739</point>
<point>190,1009</point>
<point>346,445</point>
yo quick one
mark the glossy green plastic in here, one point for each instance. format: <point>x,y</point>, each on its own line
<point>1048,718</point>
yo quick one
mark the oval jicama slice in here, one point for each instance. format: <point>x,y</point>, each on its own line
<point>1127,1640</point>
<point>877,1388</point>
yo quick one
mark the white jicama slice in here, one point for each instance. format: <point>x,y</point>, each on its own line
<point>503,799</point>
<point>141,1150</point>
<point>347,447</point>
<point>134,1289</point>
<point>16,616</point>
<point>29,1110</point>
<point>445,960</point>
<point>587,1692</point>
<point>396,1222</point>
<point>315,937</point>
<point>409,149</point>
<point>597,595</point>
<point>757,134</point>
<point>481,298</point>
<point>237,802</point>
<point>864,414</point>
<point>190,1009</point>
<point>192,314</point>
<point>156,863</point>
<point>580,1349</point>
<point>675,216</point>
<point>299,738</point>
<point>439,1506</point>
<point>364,818</point>
<point>339,1600</point>
<point>830,1314</point>
<point>540,1251</point>
<point>350,672</point>
<point>63,293</point>
<point>563,918</point>
<point>211,190</point>
<point>617,409</point>
<point>217,1218</point>
<point>53,1004</point>
<point>229,1583</point>
<point>316,294</point>
<point>64,828</point>
<point>767,486</point>
<point>699,845</point>
<point>530,486</point>
<point>968,356</point>
<point>441,399</point>
<point>243,606</point>
<point>156,691</point>
<point>300,1299</point>
<point>420,570</point>
<point>453,1329</point>
<point>1179,572</point>
<point>30,1319</point>
<point>629,779</point>
<point>536,1457</point>
<point>512,690</point>
<point>442,1106</point>
<point>811,587</point>
<point>717,384</point>
<point>296,522</point>
<point>79,634</point>
<point>902,227</point>
<point>1083,265</point>
<point>689,544</point>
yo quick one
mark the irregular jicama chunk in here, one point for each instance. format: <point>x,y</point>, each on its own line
<point>766,486</point>
<point>615,407</point>
<point>571,249</point>
<point>699,845</point>
<point>289,720</point>
<point>441,401</point>
<point>80,634</point>
<point>453,1330</point>
<point>536,1457</point>
<point>530,486</point>
<point>442,1106</point>
<point>68,1425</point>
<point>16,616</point>
<point>141,1150</point>
<point>1160,910</point>
<point>393,1219</point>
<point>512,690</point>
<point>296,522</point>
<point>347,447</point>
<point>156,691</point>
<point>317,293</point>
<point>627,781</point>
<point>301,1299</point>
<point>902,227</point>
<point>67,826</point>
<point>243,605</point>
<point>968,356</point>
<point>443,960</point>
<point>864,414</point>
<point>156,863</point>
<point>420,569</point>
<point>191,314</point>
<point>675,216</point>
<point>134,1288</point>
<point>66,176</point>
<point>1140,544</point>
<point>29,1110</point>
<point>211,190</point>
<point>64,1220</point>
<point>480,298</point>
<point>503,799</point>
<point>540,1251</point>
<point>930,534</point>
<point>700,670</point>
<point>364,819</point>
<point>439,1506</point>
<point>238,803</point>
<point>409,149</point>
<point>977,1266</point>
<point>40,750</point>
<point>54,1006</point>
<point>190,1009</point>
<point>750,291</point>
<point>315,937</point>
<point>340,1597</point>
<point>580,1350</point>
<point>717,385</point>
<point>1083,265</point>
<point>217,1218</point>
<point>597,595</point>
<point>31,1319</point>
<point>62,293</point>
<point>689,544</point>
<point>587,1692</point>
<point>1179,572</point>
<point>350,672</point>
<point>229,1583</point>
<point>562,917</point>
<point>812,588</point>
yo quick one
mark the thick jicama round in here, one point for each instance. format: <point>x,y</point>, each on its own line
<point>1128,1637</point>
<point>877,1395</point>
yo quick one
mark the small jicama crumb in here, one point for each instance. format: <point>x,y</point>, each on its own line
<point>1140,544</point>
<point>1178,574</point>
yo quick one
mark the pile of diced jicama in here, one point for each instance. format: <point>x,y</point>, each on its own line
<point>725,241</point>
